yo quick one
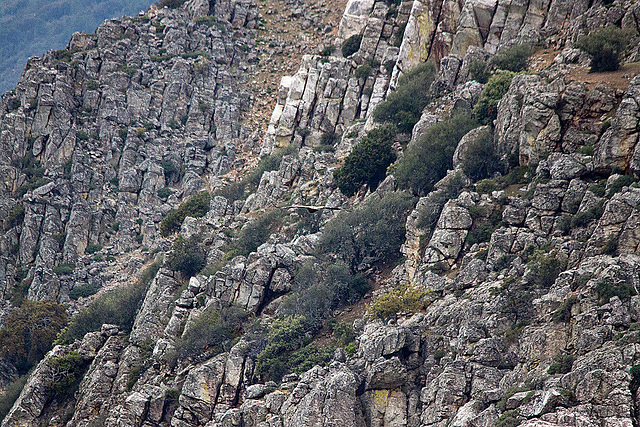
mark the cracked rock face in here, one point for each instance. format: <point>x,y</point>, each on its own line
<point>531,308</point>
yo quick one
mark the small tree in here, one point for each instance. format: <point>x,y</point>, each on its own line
<point>426,162</point>
<point>513,58</point>
<point>605,46</point>
<point>486,110</point>
<point>368,162</point>
<point>187,257</point>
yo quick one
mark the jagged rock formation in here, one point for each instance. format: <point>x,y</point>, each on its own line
<point>520,318</point>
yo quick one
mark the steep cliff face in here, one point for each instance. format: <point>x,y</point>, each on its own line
<point>530,307</point>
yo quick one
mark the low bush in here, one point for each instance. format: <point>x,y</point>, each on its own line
<point>328,50</point>
<point>621,182</point>
<point>635,377</point>
<point>65,268</point>
<point>65,374</point>
<point>164,192</point>
<point>286,336</point>
<point>582,219</point>
<point>608,289</point>
<point>15,217</point>
<point>368,162</point>
<point>478,71</point>
<point>196,206</point>
<point>351,45</point>
<point>93,248</point>
<point>116,307</point>
<point>562,364</point>
<point>187,256</point>
<point>309,356</point>
<point>563,313</point>
<point>605,46</point>
<point>319,289</point>
<point>403,107</point>
<point>83,291</point>
<point>405,298</point>
<point>29,331</point>
<point>480,159</point>
<point>508,419</point>
<point>428,161</point>
<point>11,393</point>
<point>545,267</point>
<point>254,234</point>
<point>375,231</point>
<point>513,58</point>
<point>210,331</point>
<point>486,110</point>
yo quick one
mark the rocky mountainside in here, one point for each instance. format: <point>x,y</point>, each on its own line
<point>278,296</point>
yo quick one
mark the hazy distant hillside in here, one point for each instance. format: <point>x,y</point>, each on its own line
<point>31,27</point>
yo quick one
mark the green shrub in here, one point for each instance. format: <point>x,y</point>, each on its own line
<point>563,313</point>
<point>319,289</point>
<point>93,248</point>
<point>375,231</point>
<point>486,110</point>
<point>545,267</point>
<point>130,71</point>
<point>610,247</point>
<point>65,268</point>
<point>28,332</point>
<point>608,289</point>
<point>196,206</point>
<point>187,256</point>
<point>171,172</point>
<point>309,356</point>
<point>428,161</point>
<point>586,150</point>
<point>33,170</point>
<point>621,182</point>
<point>207,20</point>
<point>255,233</point>
<point>402,299</point>
<point>605,46</point>
<point>15,216</point>
<point>397,41</point>
<point>562,364</point>
<point>286,336</point>
<point>328,139</point>
<point>403,107</point>
<point>351,45</point>
<point>478,71</point>
<point>513,58</point>
<point>635,377</point>
<point>480,158</point>
<point>368,162</point>
<point>508,419</point>
<point>164,192</point>
<point>83,291</point>
<point>210,331</point>
<point>66,373</point>
<point>582,219</point>
<point>116,307</point>
<point>11,393</point>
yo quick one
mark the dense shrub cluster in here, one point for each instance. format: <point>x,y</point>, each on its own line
<point>33,170</point>
<point>562,364</point>
<point>11,394</point>
<point>65,373</point>
<point>320,289</point>
<point>545,267</point>
<point>607,289</point>
<point>196,206</point>
<point>513,58</point>
<point>116,307</point>
<point>605,46</point>
<point>486,110</point>
<point>210,331</point>
<point>406,299</point>
<point>286,336</point>
<point>368,162</point>
<point>403,107</point>
<point>28,332</point>
<point>427,161</point>
<point>351,45</point>
<point>254,234</point>
<point>373,232</point>
<point>480,159</point>
<point>187,256</point>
